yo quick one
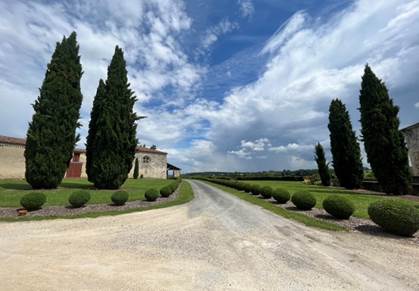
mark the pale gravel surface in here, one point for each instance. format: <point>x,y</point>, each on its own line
<point>215,242</point>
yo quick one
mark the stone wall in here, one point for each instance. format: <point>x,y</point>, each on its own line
<point>412,140</point>
<point>155,167</point>
<point>12,161</point>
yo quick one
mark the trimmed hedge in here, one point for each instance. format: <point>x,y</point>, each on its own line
<point>338,206</point>
<point>282,196</point>
<point>166,191</point>
<point>395,216</point>
<point>266,192</point>
<point>151,194</point>
<point>33,201</point>
<point>79,198</point>
<point>119,197</point>
<point>255,189</point>
<point>303,200</point>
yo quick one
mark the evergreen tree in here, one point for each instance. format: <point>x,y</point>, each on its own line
<point>112,131</point>
<point>136,169</point>
<point>345,147</point>
<point>322,165</point>
<point>384,143</point>
<point>51,135</point>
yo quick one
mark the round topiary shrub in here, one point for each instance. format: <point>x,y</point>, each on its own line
<point>255,189</point>
<point>33,201</point>
<point>266,192</point>
<point>166,191</point>
<point>247,188</point>
<point>282,196</point>
<point>79,198</point>
<point>338,206</point>
<point>151,194</point>
<point>395,216</point>
<point>303,200</point>
<point>119,197</point>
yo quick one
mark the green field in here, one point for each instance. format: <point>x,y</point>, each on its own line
<point>11,190</point>
<point>361,201</point>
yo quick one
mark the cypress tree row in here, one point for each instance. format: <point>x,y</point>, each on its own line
<point>345,147</point>
<point>51,135</point>
<point>136,169</point>
<point>322,165</point>
<point>384,143</point>
<point>112,139</point>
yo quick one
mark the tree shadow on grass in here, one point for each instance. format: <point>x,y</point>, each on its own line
<point>15,186</point>
<point>25,186</point>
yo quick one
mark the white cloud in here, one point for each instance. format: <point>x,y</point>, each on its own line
<point>417,105</point>
<point>246,8</point>
<point>213,33</point>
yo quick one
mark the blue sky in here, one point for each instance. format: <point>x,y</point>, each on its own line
<point>238,85</point>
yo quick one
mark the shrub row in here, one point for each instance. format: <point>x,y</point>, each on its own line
<point>35,200</point>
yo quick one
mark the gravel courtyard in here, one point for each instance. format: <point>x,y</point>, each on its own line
<point>215,242</point>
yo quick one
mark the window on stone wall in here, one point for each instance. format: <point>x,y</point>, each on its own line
<point>146,159</point>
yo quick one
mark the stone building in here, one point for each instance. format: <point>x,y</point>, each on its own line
<point>152,162</point>
<point>411,135</point>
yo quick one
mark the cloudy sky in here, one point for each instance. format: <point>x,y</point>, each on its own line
<point>226,85</point>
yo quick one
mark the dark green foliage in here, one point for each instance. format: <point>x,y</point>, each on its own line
<point>303,200</point>
<point>281,195</point>
<point>247,188</point>
<point>51,135</point>
<point>136,169</point>
<point>166,191</point>
<point>384,143</point>
<point>255,189</point>
<point>395,216</point>
<point>266,192</point>
<point>119,197</point>
<point>322,165</point>
<point>111,142</point>
<point>33,201</point>
<point>151,194</point>
<point>338,206</point>
<point>79,198</point>
<point>345,147</point>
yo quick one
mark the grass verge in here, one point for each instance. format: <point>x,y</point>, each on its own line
<point>185,195</point>
<point>302,218</point>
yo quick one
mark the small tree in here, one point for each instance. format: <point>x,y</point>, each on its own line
<point>136,169</point>
<point>322,165</point>
<point>384,143</point>
<point>51,135</point>
<point>112,138</point>
<point>345,147</point>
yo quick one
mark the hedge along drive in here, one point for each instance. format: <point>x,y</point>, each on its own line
<point>384,143</point>
<point>338,206</point>
<point>79,198</point>
<point>51,135</point>
<point>303,200</point>
<point>112,141</point>
<point>345,147</point>
<point>33,201</point>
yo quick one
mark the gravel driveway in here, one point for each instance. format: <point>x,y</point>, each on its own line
<point>215,242</point>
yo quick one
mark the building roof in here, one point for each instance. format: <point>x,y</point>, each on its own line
<point>172,167</point>
<point>149,151</point>
<point>12,140</point>
<point>410,127</point>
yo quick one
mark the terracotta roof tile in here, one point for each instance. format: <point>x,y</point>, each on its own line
<point>12,140</point>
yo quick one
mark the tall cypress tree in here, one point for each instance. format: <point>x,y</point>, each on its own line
<point>136,169</point>
<point>322,165</point>
<point>112,138</point>
<point>384,143</point>
<point>51,135</point>
<point>345,147</point>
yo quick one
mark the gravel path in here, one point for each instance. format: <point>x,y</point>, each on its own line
<point>215,242</point>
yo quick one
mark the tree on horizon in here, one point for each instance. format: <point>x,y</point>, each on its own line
<point>344,147</point>
<point>112,141</point>
<point>51,135</point>
<point>384,143</point>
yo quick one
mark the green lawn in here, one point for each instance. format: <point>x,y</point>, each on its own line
<point>300,217</point>
<point>361,201</point>
<point>11,190</point>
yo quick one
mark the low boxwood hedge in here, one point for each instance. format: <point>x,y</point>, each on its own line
<point>151,194</point>
<point>266,192</point>
<point>395,216</point>
<point>166,191</point>
<point>338,206</point>
<point>282,196</point>
<point>303,200</point>
<point>33,201</point>
<point>255,189</point>
<point>79,198</point>
<point>119,198</point>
